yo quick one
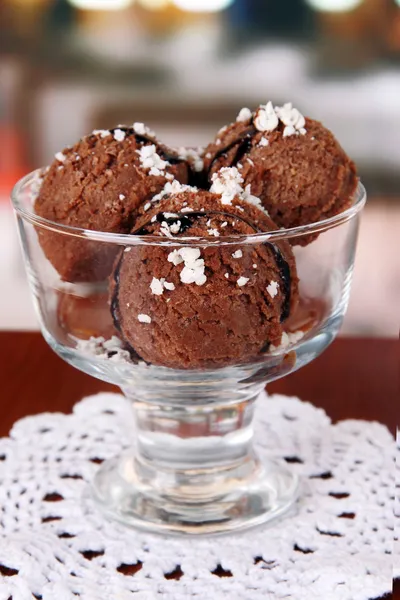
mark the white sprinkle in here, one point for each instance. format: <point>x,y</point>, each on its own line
<point>244,115</point>
<point>239,166</point>
<point>208,155</point>
<point>60,168</point>
<point>175,227</point>
<point>156,286</point>
<point>175,187</point>
<point>193,155</point>
<point>101,132</point>
<point>264,142</point>
<point>224,224</point>
<point>186,209</point>
<point>214,232</point>
<point>126,165</point>
<point>77,157</point>
<point>224,128</point>
<point>110,349</point>
<point>250,161</point>
<point>128,249</point>
<point>144,318</point>
<point>289,131</point>
<point>295,337</point>
<point>237,254</point>
<point>119,135</point>
<point>165,229</point>
<point>169,176</point>
<point>266,118</point>
<point>128,304</point>
<point>122,197</point>
<point>218,142</point>
<point>193,271</point>
<point>254,266</point>
<point>290,116</point>
<point>156,172</point>
<point>175,257</point>
<point>227,183</point>
<point>272,289</point>
<point>151,160</point>
<point>147,206</point>
<point>60,157</point>
<point>227,275</point>
<point>248,197</point>
<point>142,129</point>
<point>189,275</point>
<point>169,285</point>
<point>208,223</point>
<point>189,254</point>
<point>168,300</point>
<point>288,339</point>
<point>168,215</point>
<point>242,281</point>
<point>154,219</point>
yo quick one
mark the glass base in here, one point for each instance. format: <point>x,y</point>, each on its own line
<point>194,501</point>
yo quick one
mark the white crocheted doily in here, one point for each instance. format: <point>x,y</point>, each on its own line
<point>339,545</point>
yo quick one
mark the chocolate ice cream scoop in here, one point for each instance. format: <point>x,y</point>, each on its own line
<point>293,164</point>
<point>99,184</point>
<point>192,306</point>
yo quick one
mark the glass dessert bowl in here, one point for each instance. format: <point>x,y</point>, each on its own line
<point>191,329</point>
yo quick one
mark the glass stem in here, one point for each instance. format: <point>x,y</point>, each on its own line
<point>194,447</point>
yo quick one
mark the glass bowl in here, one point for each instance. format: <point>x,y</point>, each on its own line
<point>192,467</point>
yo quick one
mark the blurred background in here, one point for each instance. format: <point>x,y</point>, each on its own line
<point>186,67</point>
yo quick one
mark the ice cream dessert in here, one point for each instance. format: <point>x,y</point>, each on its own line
<point>99,184</point>
<point>190,306</point>
<point>196,289</point>
<point>292,163</point>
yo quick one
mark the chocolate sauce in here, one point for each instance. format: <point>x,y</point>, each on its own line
<point>186,221</point>
<point>284,272</point>
<point>172,159</point>
<point>243,143</point>
<point>114,304</point>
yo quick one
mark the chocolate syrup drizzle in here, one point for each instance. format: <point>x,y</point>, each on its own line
<point>187,220</point>
<point>172,159</point>
<point>243,143</point>
<point>114,303</point>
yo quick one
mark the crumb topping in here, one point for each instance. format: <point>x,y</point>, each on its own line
<point>142,318</point>
<point>272,288</point>
<point>149,159</point>
<point>194,155</point>
<point>193,270</point>
<point>142,129</point>
<point>242,281</point>
<point>244,115</point>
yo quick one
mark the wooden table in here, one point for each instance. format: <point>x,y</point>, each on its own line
<point>354,378</point>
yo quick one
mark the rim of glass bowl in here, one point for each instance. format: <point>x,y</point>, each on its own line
<point>127,239</point>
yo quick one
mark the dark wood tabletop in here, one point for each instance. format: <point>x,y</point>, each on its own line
<point>354,378</point>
